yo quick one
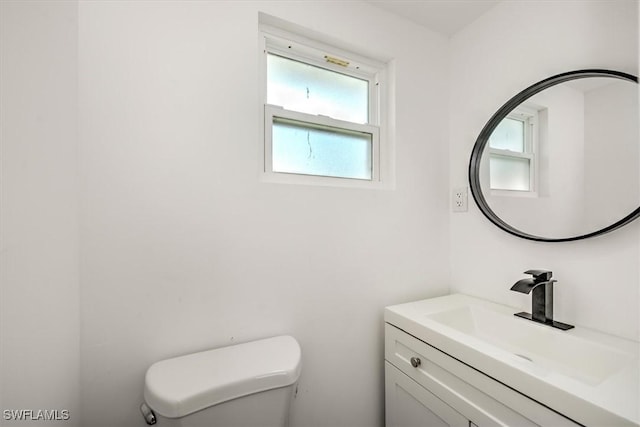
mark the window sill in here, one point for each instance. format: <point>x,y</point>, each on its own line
<point>323,181</point>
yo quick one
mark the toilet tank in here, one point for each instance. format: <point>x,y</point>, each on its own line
<point>226,386</point>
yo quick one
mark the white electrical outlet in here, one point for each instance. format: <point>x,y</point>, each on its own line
<point>459,199</point>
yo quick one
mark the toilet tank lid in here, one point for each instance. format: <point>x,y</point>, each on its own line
<point>183,385</point>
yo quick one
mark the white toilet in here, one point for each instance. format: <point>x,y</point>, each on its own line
<point>244,385</point>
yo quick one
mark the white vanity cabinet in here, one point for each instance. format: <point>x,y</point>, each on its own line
<point>426,387</point>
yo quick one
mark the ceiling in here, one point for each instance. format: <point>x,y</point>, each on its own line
<point>444,16</point>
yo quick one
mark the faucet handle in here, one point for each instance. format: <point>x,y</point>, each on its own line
<point>540,275</point>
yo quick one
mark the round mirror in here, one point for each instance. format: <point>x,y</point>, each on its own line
<point>559,161</point>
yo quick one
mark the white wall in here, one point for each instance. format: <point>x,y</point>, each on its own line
<point>512,46</point>
<point>184,249</point>
<point>39,312</point>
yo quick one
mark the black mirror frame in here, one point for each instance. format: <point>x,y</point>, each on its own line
<point>483,138</point>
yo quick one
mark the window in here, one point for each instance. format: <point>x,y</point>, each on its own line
<point>512,148</point>
<point>321,112</point>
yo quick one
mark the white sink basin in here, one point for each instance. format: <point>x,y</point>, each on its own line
<point>548,348</point>
<point>584,374</point>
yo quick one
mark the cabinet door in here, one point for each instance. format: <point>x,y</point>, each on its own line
<point>408,404</point>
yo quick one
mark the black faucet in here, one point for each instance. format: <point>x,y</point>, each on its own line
<point>542,298</point>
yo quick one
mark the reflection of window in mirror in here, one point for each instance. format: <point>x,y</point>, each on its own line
<point>512,153</point>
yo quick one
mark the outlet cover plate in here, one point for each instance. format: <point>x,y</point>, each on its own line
<point>459,199</point>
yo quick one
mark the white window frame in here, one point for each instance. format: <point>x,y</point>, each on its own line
<point>319,122</point>
<point>529,116</point>
<point>299,48</point>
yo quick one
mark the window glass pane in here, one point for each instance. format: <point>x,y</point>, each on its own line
<point>311,150</point>
<point>301,87</point>
<point>509,173</point>
<point>509,135</point>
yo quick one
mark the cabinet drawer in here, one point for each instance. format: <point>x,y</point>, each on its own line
<point>483,400</point>
<point>411,405</point>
